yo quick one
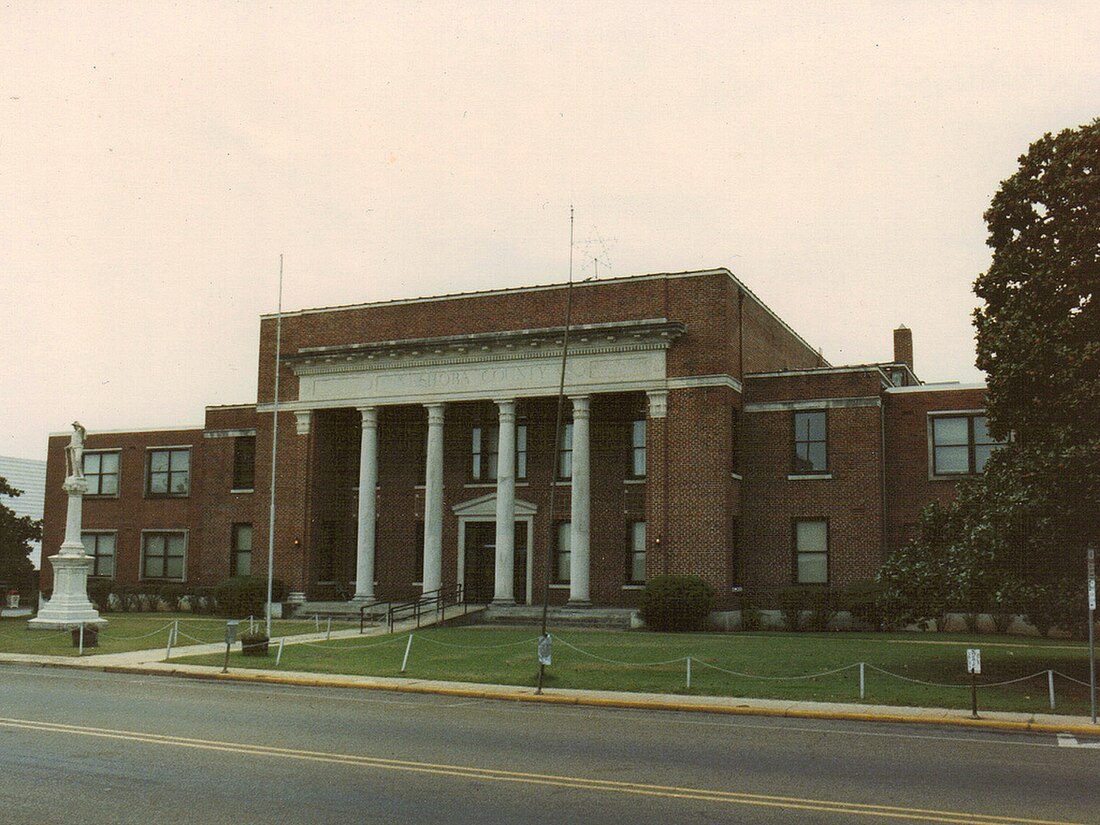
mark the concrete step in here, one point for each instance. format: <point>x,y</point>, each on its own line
<point>610,617</point>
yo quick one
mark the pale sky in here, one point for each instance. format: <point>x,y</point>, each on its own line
<point>156,158</point>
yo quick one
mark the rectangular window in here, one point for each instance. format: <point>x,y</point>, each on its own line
<point>244,462</point>
<point>637,448</point>
<point>100,548</point>
<point>811,543</point>
<point>168,472</point>
<point>961,444</point>
<point>565,452</point>
<point>240,559</point>
<point>635,554</point>
<point>810,455</point>
<point>562,552</point>
<point>163,555</point>
<point>485,453</point>
<point>101,472</point>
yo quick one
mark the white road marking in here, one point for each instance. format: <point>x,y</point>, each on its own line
<point>1065,740</point>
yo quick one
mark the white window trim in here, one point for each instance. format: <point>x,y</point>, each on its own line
<point>118,483</point>
<point>147,493</point>
<point>141,552</point>
<point>114,566</point>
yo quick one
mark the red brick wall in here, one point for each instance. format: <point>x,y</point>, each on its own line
<point>707,304</point>
<point>132,511</point>
<point>908,487</point>
<point>851,499</point>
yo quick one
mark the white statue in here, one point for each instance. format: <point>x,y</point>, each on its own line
<point>74,453</point>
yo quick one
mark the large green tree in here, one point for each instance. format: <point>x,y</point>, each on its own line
<point>16,535</point>
<point>1038,335</point>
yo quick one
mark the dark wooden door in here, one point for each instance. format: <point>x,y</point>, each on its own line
<point>480,562</point>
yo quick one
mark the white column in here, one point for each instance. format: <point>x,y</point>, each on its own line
<point>433,501</point>
<point>506,504</point>
<point>581,486</point>
<point>368,507</point>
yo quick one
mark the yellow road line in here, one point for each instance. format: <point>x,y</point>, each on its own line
<point>574,782</point>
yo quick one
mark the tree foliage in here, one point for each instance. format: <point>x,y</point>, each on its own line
<point>16,535</point>
<point>1038,336</point>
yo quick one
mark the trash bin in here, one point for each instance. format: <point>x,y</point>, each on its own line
<point>91,636</point>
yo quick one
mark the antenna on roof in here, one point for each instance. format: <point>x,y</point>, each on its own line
<point>603,256</point>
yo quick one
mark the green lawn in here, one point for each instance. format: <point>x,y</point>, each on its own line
<point>640,661</point>
<point>127,631</point>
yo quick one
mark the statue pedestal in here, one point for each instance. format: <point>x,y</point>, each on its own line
<point>69,605</point>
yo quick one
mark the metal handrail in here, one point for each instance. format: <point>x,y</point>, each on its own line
<point>432,601</point>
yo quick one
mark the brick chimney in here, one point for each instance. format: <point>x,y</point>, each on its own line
<point>903,346</point>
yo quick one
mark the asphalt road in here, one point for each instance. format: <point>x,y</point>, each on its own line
<point>92,747</point>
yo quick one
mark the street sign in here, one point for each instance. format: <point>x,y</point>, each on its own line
<point>1092,577</point>
<point>544,650</point>
<point>973,660</point>
<point>230,631</point>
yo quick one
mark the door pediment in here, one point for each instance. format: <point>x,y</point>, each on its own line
<point>486,507</point>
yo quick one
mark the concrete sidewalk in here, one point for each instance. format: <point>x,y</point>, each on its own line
<point>152,662</point>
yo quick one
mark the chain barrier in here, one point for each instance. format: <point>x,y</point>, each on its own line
<point>776,678</point>
<point>615,661</point>
<point>476,647</point>
<point>1078,681</point>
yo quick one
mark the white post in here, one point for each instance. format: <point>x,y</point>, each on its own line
<point>861,682</point>
<point>328,630</point>
<point>279,653</point>
<point>368,506</point>
<point>689,674</point>
<point>168,652</point>
<point>1050,687</point>
<point>580,526</point>
<point>81,651</point>
<point>503,585</point>
<point>408,647</point>
<point>433,502</point>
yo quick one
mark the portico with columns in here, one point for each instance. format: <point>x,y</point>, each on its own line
<point>440,404</point>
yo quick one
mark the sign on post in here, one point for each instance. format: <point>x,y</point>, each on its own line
<point>544,650</point>
<point>973,660</point>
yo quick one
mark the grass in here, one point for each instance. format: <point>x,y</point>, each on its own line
<point>125,632</point>
<point>640,661</point>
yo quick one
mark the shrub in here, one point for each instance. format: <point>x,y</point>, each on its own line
<point>99,593</point>
<point>676,603</point>
<point>865,600</point>
<point>807,606</point>
<point>751,618</point>
<point>244,596</point>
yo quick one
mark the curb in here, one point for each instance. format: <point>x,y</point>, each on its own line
<point>580,699</point>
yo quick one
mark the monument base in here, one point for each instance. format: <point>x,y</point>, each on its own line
<point>69,605</point>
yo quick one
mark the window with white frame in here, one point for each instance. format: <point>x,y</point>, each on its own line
<point>484,452</point>
<point>961,444</point>
<point>563,552</point>
<point>240,558</point>
<point>810,453</point>
<point>565,452</point>
<point>101,473</point>
<point>637,448</point>
<point>168,472</point>
<point>100,548</point>
<point>635,554</point>
<point>811,544</point>
<point>163,555</point>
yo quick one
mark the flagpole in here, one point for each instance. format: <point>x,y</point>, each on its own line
<point>274,448</point>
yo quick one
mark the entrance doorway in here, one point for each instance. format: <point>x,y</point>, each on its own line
<point>479,575</point>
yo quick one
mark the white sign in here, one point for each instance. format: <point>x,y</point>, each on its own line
<point>544,650</point>
<point>973,660</point>
<point>1092,594</point>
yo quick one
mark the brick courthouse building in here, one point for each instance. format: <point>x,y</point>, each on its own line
<point>702,435</point>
